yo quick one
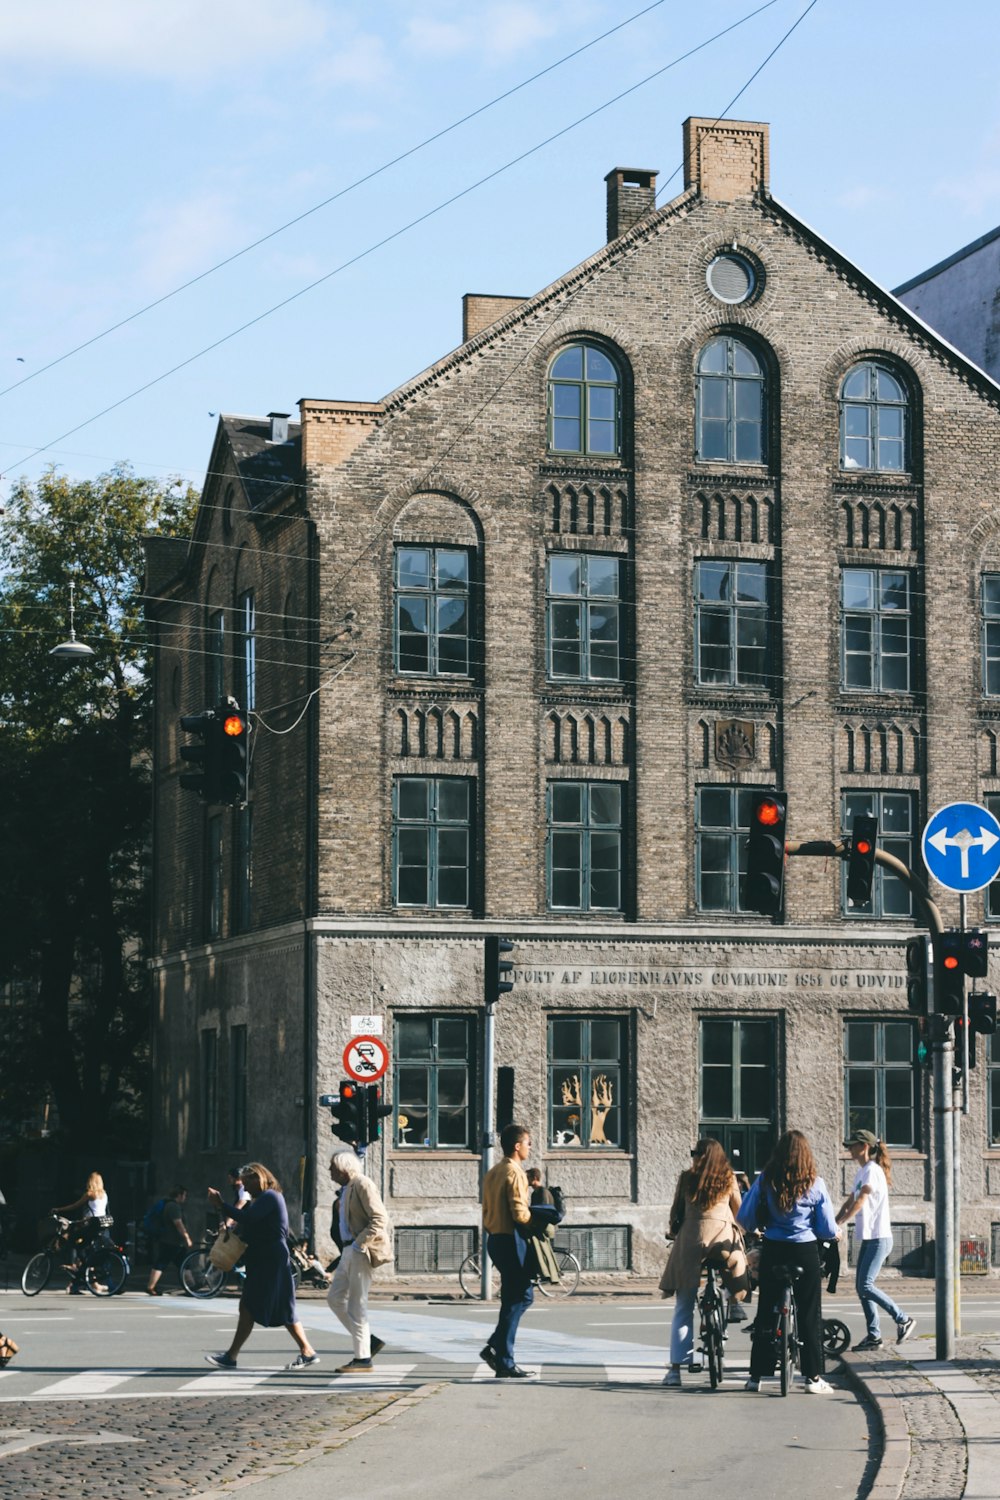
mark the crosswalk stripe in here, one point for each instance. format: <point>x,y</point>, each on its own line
<point>227,1382</point>
<point>89,1383</point>
<point>633,1374</point>
<point>382,1374</point>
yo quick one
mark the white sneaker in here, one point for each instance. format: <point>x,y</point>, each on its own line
<point>818,1387</point>
<point>672,1379</point>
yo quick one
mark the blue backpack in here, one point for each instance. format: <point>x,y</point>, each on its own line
<point>152,1219</point>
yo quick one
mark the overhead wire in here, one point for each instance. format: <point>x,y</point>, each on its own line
<point>404,229</point>
<point>394,161</point>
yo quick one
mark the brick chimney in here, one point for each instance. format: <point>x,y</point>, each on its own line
<point>631,196</point>
<point>480,309</point>
<point>726,159</point>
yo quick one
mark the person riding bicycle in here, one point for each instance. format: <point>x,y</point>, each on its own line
<point>92,1204</point>
<point>703,1227</point>
<point>789,1203</point>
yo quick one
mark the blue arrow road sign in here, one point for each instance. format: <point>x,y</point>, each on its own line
<point>961,846</point>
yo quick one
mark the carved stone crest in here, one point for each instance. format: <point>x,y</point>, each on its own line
<point>735,743</point>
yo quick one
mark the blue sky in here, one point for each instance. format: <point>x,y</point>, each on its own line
<point>145,143</point>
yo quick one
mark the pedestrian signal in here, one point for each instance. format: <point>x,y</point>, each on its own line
<point>975,953</point>
<point>918,973</point>
<point>983,1014</point>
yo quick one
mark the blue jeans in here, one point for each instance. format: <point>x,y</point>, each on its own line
<point>870,1258</point>
<point>516,1296</point>
<point>682,1327</point>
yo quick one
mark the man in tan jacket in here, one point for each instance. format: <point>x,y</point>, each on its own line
<point>506,1215</point>
<point>364,1234</point>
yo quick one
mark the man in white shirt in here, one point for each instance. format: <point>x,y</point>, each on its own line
<point>869,1203</point>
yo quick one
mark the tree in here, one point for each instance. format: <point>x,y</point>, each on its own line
<point>75,800</point>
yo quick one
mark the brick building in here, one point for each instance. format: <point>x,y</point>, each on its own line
<point>709,513</point>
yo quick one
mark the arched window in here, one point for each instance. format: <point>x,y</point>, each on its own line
<point>584,402</point>
<point>873,406</point>
<point>730,403</point>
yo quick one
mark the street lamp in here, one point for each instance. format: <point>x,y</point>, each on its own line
<point>71,650</point>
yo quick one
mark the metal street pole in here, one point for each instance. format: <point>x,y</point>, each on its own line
<point>489,1072</point>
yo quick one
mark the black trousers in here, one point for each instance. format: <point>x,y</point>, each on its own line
<point>775,1257</point>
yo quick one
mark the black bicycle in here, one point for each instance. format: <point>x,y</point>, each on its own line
<point>787,1343</point>
<point>98,1264</point>
<point>713,1307</point>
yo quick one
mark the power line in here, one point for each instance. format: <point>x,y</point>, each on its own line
<point>325,202</point>
<point>397,233</point>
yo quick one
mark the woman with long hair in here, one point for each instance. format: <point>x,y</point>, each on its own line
<point>790,1205</point>
<point>869,1202</point>
<point>269,1291</point>
<point>702,1226</point>
<point>91,1204</point>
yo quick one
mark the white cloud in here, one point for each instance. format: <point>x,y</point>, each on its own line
<point>179,40</point>
<point>489,32</point>
<point>179,239</point>
<point>360,61</point>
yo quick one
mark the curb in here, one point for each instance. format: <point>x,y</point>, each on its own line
<point>895,1460</point>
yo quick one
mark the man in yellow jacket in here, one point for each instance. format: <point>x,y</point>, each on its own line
<point>506,1217</point>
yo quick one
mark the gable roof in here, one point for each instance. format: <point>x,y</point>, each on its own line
<point>266,470</point>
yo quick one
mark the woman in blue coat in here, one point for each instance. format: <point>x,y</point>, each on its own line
<point>790,1205</point>
<point>269,1291</point>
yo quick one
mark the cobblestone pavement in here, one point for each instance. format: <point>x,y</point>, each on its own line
<point>133,1449</point>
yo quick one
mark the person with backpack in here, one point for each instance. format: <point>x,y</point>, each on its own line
<point>168,1236</point>
<point>869,1202</point>
<point>543,1230</point>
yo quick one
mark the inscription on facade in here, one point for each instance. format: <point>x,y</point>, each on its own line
<point>709,979</point>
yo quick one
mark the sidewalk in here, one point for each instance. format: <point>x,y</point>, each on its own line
<point>940,1419</point>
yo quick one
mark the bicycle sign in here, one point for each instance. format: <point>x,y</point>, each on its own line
<point>366,1058</point>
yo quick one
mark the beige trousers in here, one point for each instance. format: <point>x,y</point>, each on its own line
<point>348,1298</point>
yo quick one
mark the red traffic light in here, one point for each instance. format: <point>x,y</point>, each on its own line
<point>769,813</point>
<point>862,846</point>
<point>234,724</point>
<point>950,961</point>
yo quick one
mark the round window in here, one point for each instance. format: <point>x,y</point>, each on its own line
<point>731,278</point>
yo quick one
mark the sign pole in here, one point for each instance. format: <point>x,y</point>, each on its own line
<point>486,1279</point>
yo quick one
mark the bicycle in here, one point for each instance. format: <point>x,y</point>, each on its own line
<point>713,1306</point>
<point>470,1277</point>
<point>100,1266</point>
<point>787,1343</point>
<point>199,1278</point>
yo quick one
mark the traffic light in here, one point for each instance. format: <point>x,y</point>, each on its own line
<point>205,755</point>
<point>975,953</point>
<point>919,960</point>
<point>234,741</point>
<point>766,853</point>
<point>983,1014</point>
<point>861,860</point>
<point>959,1055</point>
<point>496,977</point>
<point>949,978</point>
<point>347,1110</point>
<point>375,1112</point>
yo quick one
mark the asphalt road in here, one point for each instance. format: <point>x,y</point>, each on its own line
<point>127,1374</point>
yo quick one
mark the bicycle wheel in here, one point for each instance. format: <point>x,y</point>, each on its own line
<point>199,1277</point>
<point>35,1277</point>
<point>106,1272</point>
<point>569,1277</point>
<point>714,1344</point>
<point>836,1336</point>
<point>470,1276</point>
<point>784,1343</point>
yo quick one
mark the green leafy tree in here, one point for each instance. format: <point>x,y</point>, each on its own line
<point>75,801</point>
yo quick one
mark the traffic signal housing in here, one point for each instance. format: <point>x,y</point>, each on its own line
<point>347,1112</point>
<point>498,976</point>
<point>861,860</point>
<point>234,748</point>
<point>983,1014</point>
<point>975,953</point>
<point>949,976</point>
<point>959,1054</point>
<point>205,781</point>
<point>766,853</point>
<point>375,1112</point>
<point>919,961</point>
